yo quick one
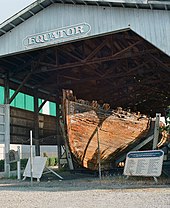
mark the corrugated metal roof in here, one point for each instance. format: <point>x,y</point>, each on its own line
<point>39,5</point>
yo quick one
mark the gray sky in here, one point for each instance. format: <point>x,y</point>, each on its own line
<point>10,7</point>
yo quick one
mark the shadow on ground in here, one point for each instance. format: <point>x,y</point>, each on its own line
<point>82,182</point>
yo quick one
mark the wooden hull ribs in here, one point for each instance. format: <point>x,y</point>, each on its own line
<point>91,128</point>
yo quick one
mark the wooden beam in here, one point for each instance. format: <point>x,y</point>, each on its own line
<point>56,57</point>
<point>58,114</point>
<point>36,124</point>
<point>19,88</point>
<point>30,62</point>
<point>160,62</point>
<point>27,89</point>
<point>94,52</point>
<point>70,54</point>
<point>9,62</point>
<point>53,67</point>
<point>43,103</point>
<point>6,88</point>
<point>103,76</point>
<point>122,75</point>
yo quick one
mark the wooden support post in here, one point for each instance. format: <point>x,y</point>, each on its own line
<point>36,125</point>
<point>68,153</point>
<point>59,154</point>
<point>156,131</point>
<point>56,57</point>
<point>58,131</point>
<point>31,158</point>
<point>7,121</point>
<point>6,89</point>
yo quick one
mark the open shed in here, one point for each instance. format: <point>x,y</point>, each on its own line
<point>98,49</point>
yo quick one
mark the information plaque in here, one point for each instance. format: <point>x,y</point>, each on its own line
<point>12,156</point>
<point>144,163</point>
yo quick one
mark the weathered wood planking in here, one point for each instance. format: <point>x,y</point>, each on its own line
<point>22,121</point>
<point>117,129</point>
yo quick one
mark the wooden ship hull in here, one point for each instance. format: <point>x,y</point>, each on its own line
<point>94,132</point>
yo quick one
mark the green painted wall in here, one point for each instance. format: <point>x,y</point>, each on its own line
<point>1,95</point>
<point>52,107</point>
<point>29,103</point>
<point>26,102</point>
<point>22,101</point>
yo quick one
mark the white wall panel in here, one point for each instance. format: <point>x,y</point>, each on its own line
<point>153,25</point>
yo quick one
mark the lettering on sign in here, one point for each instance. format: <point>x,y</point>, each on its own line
<point>57,35</point>
<point>144,163</point>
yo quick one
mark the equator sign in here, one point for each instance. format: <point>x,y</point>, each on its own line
<point>57,35</point>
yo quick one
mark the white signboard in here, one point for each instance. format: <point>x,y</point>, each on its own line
<point>38,167</point>
<point>144,163</point>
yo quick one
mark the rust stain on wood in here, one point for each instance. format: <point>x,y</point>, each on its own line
<point>117,130</point>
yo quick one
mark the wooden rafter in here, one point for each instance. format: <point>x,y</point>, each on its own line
<point>20,86</point>
<point>89,62</point>
<point>160,62</point>
<point>94,52</point>
<point>121,68</point>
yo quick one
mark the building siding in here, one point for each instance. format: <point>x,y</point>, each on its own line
<point>153,25</point>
